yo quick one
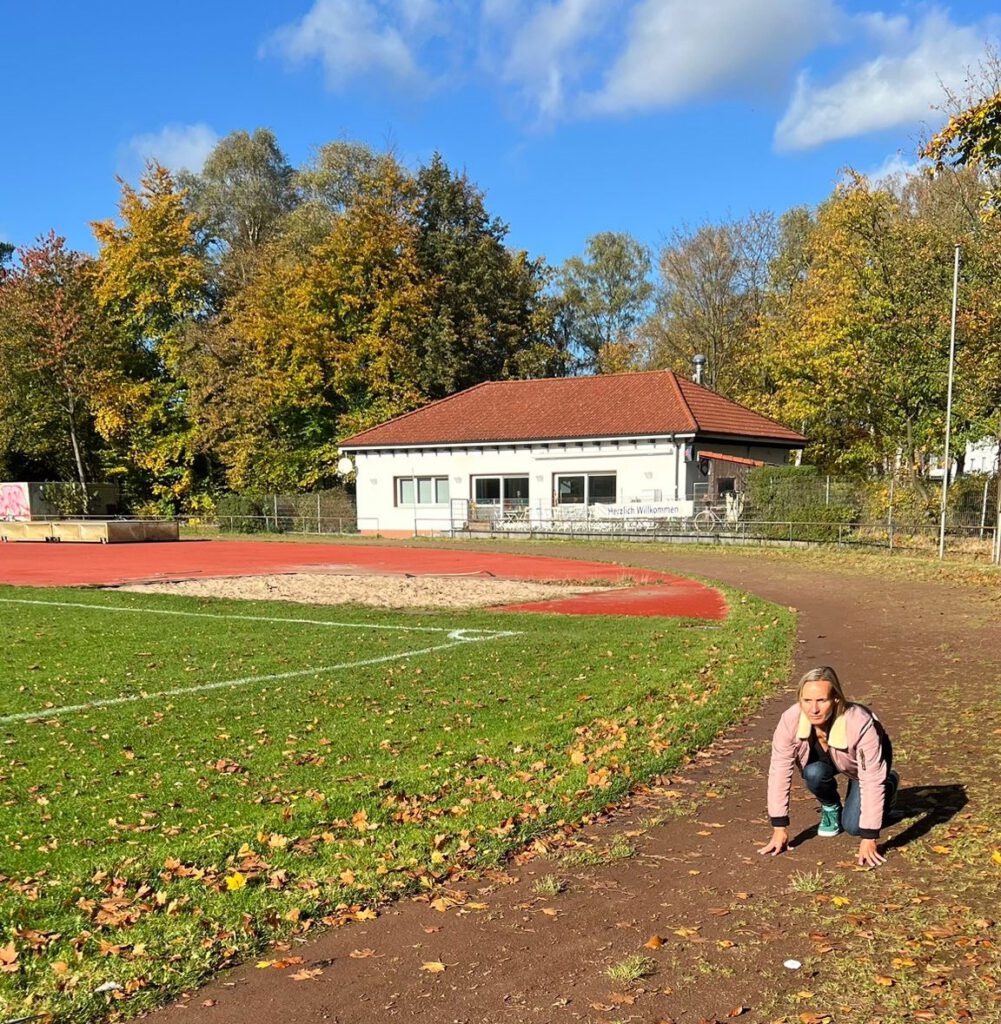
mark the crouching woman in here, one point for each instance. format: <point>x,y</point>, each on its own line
<point>824,735</point>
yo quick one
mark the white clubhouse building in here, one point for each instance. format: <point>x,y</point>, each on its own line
<point>626,445</point>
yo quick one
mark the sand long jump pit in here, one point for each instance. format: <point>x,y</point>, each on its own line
<point>377,591</point>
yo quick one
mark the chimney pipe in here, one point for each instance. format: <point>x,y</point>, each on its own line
<point>699,363</point>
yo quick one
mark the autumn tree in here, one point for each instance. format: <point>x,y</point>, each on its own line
<point>857,341</point>
<point>971,142</point>
<point>713,282</point>
<point>315,349</point>
<point>605,295</point>
<point>151,280</point>
<point>59,360</point>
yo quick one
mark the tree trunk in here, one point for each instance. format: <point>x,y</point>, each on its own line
<point>81,475</point>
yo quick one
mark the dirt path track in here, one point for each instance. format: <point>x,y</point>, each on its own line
<point>900,646</point>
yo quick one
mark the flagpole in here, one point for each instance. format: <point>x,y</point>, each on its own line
<point>947,466</point>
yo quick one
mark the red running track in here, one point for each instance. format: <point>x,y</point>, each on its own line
<point>656,593</point>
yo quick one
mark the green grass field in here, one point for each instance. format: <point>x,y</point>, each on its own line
<point>184,781</point>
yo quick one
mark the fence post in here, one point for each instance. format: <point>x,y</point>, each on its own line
<point>318,512</point>
<point>997,538</point>
<point>983,508</point>
<point>889,511</point>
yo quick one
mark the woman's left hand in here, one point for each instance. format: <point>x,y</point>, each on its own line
<point>868,855</point>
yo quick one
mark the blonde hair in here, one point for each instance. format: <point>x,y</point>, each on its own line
<point>825,674</point>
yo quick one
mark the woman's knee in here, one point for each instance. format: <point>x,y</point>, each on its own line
<point>853,828</point>
<point>816,774</point>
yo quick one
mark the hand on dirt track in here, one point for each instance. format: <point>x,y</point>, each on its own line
<point>868,855</point>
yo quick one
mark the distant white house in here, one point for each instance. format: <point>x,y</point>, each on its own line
<point>632,444</point>
<point>980,457</point>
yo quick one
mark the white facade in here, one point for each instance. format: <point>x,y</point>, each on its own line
<point>533,480</point>
<point>981,456</point>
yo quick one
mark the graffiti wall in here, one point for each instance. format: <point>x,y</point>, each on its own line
<point>14,503</point>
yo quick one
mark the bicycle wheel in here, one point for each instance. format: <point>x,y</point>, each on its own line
<point>705,522</point>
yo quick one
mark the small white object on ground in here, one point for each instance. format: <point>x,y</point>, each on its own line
<point>793,965</point>
<point>108,986</point>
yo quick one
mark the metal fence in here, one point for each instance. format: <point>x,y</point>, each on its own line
<point>970,542</point>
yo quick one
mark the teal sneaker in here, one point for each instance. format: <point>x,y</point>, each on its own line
<point>830,820</point>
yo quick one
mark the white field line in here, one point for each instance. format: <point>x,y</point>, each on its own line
<point>131,698</point>
<point>249,618</point>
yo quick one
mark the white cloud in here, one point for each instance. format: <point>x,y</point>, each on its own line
<point>678,50</point>
<point>898,87</point>
<point>545,55</point>
<point>357,37</point>
<point>894,168</point>
<point>176,146</point>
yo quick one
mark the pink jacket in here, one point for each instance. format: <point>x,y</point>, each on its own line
<point>856,749</point>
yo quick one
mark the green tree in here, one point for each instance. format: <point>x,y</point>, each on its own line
<point>241,196</point>
<point>605,296</point>
<point>486,315</point>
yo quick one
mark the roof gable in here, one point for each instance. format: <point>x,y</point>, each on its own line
<point>653,403</point>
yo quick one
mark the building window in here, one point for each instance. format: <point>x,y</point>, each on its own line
<point>431,490</point>
<point>586,489</point>
<point>571,490</point>
<point>508,492</point>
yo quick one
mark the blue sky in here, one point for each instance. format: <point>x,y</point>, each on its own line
<point>574,116</point>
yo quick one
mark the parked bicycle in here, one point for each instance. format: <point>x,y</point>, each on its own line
<point>713,519</point>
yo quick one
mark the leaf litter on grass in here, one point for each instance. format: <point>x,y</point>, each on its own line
<point>153,844</point>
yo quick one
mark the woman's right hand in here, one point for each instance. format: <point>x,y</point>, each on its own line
<point>778,842</point>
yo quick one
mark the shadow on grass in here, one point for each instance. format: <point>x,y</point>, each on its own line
<point>927,805</point>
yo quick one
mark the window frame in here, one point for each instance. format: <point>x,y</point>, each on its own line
<point>415,480</point>
<point>587,501</point>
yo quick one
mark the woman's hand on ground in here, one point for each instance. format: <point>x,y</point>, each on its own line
<point>778,842</point>
<point>868,855</point>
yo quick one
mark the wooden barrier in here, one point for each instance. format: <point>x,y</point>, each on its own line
<point>90,531</point>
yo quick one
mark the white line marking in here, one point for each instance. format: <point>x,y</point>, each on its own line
<point>69,709</point>
<point>250,618</point>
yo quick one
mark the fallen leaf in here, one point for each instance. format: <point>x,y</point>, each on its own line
<point>361,954</point>
<point>307,974</point>
<point>654,942</point>
<point>210,1002</point>
<point>737,1011</point>
<point>433,967</point>
<point>236,881</point>
<point>885,980</point>
<point>840,901</point>
<point>8,959</point>
<point>622,998</point>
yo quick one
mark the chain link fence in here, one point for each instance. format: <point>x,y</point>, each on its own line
<point>319,512</point>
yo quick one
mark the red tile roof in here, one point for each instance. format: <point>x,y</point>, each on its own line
<point>656,402</point>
